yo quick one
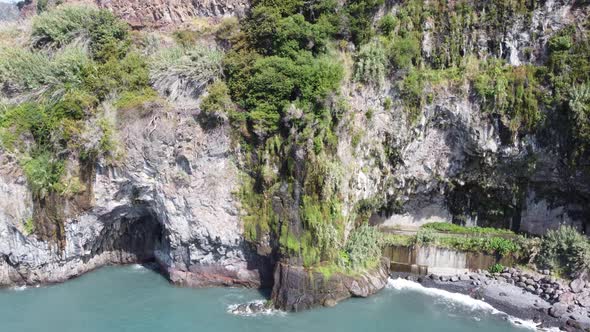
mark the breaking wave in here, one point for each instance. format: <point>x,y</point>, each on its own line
<point>246,309</point>
<point>462,299</point>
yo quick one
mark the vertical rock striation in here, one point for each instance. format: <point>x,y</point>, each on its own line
<point>169,199</point>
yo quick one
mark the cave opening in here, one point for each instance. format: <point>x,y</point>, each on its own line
<point>131,237</point>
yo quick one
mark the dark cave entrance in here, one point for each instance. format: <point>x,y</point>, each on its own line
<point>131,236</point>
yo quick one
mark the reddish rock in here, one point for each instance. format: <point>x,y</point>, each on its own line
<point>160,13</point>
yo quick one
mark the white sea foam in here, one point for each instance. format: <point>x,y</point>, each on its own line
<point>19,288</point>
<point>235,309</point>
<point>464,300</point>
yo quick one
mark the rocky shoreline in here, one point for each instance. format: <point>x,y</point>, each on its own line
<point>546,301</point>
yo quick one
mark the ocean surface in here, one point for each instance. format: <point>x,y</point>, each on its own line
<point>136,299</point>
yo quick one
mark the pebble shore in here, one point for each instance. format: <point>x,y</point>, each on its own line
<point>531,296</point>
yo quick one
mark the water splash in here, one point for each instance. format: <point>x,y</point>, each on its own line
<point>462,299</point>
<point>246,309</point>
<point>139,268</point>
<point>19,288</point>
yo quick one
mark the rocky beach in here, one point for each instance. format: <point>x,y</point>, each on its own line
<point>543,300</point>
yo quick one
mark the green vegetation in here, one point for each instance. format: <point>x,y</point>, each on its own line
<point>184,72</point>
<point>39,74</point>
<point>363,248</point>
<point>460,238</point>
<point>80,58</point>
<point>359,14</point>
<point>512,92</point>
<point>447,227</point>
<point>217,103</point>
<point>133,99</point>
<point>568,74</point>
<point>370,63</point>
<point>496,268</point>
<point>43,173</point>
<point>490,245</point>
<point>29,226</point>
<point>425,236</point>
<point>565,251</point>
<point>107,36</point>
<point>282,74</point>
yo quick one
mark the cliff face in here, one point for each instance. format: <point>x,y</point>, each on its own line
<point>8,12</point>
<point>172,201</point>
<point>153,13</point>
<point>158,13</point>
<point>455,162</point>
<point>173,197</point>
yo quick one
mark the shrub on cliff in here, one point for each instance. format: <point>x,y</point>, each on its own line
<point>106,35</point>
<point>371,63</point>
<point>565,251</point>
<point>59,27</point>
<point>39,74</point>
<point>43,173</point>
<point>183,72</point>
<point>217,104</point>
<point>364,247</point>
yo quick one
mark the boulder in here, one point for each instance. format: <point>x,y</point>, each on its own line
<point>577,285</point>
<point>567,298</point>
<point>558,310</point>
<point>584,299</point>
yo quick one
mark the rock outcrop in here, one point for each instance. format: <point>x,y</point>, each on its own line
<point>298,289</point>
<point>151,13</point>
<point>8,12</point>
<point>159,13</point>
<point>170,199</point>
<point>455,162</point>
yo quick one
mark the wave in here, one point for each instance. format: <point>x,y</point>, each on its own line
<point>465,300</point>
<point>19,288</point>
<point>139,267</point>
<point>245,309</point>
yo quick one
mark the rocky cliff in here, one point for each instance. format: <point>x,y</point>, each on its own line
<point>152,13</point>
<point>8,12</point>
<point>172,201</point>
<point>456,163</point>
<point>225,204</point>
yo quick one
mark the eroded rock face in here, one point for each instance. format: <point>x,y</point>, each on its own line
<point>158,13</point>
<point>298,289</point>
<point>152,13</point>
<point>170,198</point>
<point>8,12</point>
<point>457,163</point>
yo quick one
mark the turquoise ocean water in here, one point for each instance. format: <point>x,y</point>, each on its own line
<point>135,299</point>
